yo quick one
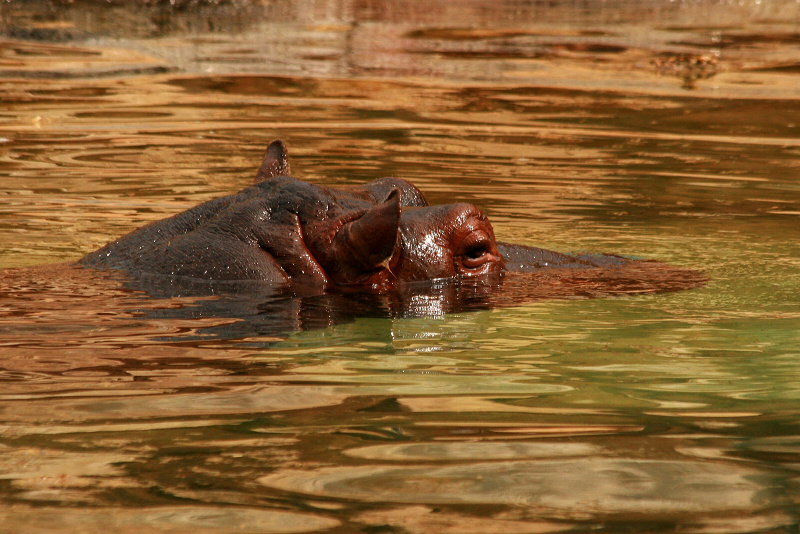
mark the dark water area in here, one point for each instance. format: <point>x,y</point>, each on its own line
<point>653,129</point>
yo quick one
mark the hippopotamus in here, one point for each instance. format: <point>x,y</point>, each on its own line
<point>288,234</point>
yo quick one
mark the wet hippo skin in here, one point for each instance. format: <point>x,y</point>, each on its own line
<point>286,234</point>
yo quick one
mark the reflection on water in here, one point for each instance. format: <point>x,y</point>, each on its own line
<point>571,123</point>
<point>173,519</point>
<point>573,488</point>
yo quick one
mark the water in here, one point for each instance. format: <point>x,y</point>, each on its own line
<point>666,130</point>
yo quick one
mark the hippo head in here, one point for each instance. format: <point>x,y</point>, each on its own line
<point>398,238</point>
<point>391,243</point>
<point>284,231</point>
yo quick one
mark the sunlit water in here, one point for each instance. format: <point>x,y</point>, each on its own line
<point>665,130</point>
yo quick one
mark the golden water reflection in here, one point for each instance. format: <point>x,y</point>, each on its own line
<point>576,130</point>
<point>553,488</point>
<point>158,519</point>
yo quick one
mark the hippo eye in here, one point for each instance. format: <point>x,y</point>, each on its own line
<point>476,252</point>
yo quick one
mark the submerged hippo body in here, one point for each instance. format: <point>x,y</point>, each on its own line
<point>283,232</point>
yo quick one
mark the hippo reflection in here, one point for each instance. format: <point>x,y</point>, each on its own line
<point>370,250</point>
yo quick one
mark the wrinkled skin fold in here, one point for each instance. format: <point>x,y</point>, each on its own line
<point>284,235</point>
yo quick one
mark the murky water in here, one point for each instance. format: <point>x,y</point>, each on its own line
<point>666,130</point>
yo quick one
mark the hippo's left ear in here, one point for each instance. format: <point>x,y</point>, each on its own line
<point>369,242</point>
<point>275,163</point>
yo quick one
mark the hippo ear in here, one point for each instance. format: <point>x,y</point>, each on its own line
<point>369,242</point>
<point>275,162</point>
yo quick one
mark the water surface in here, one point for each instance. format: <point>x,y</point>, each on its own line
<point>665,130</point>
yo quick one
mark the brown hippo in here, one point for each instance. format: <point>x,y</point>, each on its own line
<point>284,232</point>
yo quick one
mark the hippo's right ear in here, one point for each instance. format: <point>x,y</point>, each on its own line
<point>275,162</point>
<point>369,242</point>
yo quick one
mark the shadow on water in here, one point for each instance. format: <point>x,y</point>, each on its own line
<point>242,310</point>
<point>259,312</point>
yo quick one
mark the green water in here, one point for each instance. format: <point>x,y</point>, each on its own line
<point>576,126</point>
